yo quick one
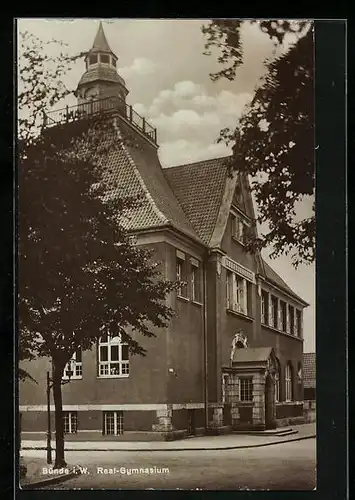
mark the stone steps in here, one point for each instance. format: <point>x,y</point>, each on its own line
<point>270,432</point>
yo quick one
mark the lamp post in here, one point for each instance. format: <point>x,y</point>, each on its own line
<point>49,431</point>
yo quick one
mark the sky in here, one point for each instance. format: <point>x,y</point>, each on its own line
<point>168,80</point>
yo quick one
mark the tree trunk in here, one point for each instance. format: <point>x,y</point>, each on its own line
<point>59,421</point>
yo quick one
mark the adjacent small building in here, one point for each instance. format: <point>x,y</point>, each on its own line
<point>232,357</point>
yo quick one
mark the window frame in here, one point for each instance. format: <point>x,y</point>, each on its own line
<point>107,56</point>
<point>264,307</point>
<point>182,290</point>
<point>70,422</point>
<point>298,325</point>
<point>274,315</point>
<point>291,319</point>
<point>95,57</point>
<point>195,282</point>
<point>122,363</point>
<point>248,391</point>
<point>288,383</point>
<point>117,421</point>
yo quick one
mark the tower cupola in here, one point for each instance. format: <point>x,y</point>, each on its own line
<point>101,79</point>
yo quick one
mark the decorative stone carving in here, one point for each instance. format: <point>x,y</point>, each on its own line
<point>239,338</point>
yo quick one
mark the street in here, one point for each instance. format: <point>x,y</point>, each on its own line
<point>286,466</point>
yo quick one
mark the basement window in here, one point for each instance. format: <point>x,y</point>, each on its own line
<point>112,423</point>
<point>70,422</point>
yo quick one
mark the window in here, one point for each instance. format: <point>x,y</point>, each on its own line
<point>104,58</point>
<point>195,283</point>
<point>113,357</point>
<point>182,290</point>
<point>246,389</point>
<point>229,290</point>
<point>288,380</point>
<point>93,59</point>
<point>112,423</point>
<point>273,312</point>
<point>239,228</point>
<point>277,381</point>
<point>237,293</point>
<point>292,319</point>
<point>299,323</point>
<point>282,312</point>
<point>70,422</point>
<point>75,365</point>
<point>113,61</point>
<point>264,307</point>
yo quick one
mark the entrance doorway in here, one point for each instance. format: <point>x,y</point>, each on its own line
<point>191,427</point>
<point>270,422</point>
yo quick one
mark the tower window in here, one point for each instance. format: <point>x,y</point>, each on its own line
<point>113,61</point>
<point>93,59</point>
<point>104,58</point>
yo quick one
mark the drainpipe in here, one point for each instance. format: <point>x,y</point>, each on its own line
<point>205,371</point>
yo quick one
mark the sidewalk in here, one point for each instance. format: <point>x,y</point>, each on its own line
<point>223,442</point>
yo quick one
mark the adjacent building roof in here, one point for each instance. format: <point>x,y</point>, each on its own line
<point>199,187</point>
<point>251,354</point>
<point>309,369</point>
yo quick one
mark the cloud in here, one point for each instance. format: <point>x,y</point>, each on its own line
<point>141,66</point>
<point>184,151</point>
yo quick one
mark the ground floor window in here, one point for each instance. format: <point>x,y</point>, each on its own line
<point>288,382</point>
<point>246,388</point>
<point>113,423</point>
<point>70,422</point>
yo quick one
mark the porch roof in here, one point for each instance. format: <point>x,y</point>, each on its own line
<point>252,354</point>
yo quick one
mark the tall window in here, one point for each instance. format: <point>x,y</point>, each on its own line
<point>246,388</point>
<point>113,357</point>
<point>291,312</point>
<point>195,283</point>
<point>239,228</point>
<point>273,312</point>
<point>237,293</point>
<point>70,422</point>
<point>264,307</point>
<point>75,365</point>
<point>298,323</point>
<point>182,290</point>
<point>288,382</point>
<point>277,381</point>
<point>112,423</point>
<point>282,323</point>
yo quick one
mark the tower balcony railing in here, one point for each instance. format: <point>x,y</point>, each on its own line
<point>105,106</point>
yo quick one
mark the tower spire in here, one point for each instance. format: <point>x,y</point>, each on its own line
<point>100,43</point>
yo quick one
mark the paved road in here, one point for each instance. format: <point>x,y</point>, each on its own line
<point>288,466</point>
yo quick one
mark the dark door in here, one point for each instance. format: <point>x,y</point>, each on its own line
<point>270,422</point>
<point>191,429</point>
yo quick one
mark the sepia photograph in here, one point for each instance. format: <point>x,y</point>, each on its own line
<point>166,254</point>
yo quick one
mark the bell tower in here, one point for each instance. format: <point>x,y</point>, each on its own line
<point>101,79</point>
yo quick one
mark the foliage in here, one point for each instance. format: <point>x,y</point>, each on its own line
<point>80,273</point>
<point>274,141</point>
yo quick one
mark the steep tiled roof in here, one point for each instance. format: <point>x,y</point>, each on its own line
<point>199,187</point>
<point>309,369</point>
<point>132,164</point>
<point>276,279</point>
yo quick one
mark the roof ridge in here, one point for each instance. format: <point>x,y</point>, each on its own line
<point>197,162</point>
<point>150,199</point>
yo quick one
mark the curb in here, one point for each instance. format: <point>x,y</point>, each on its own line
<point>182,449</point>
<point>49,481</point>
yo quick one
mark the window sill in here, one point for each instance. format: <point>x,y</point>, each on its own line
<point>245,403</point>
<point>77,377</point>
<point>184,299</point>
<point>196,303</point>
<point>281,332</point>
<point>240,314</point>
<point>289,403</point>
<point>113,376</point>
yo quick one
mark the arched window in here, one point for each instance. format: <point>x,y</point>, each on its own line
<point>113,357</point>
<point>288,382</point>
<point>277,380</point>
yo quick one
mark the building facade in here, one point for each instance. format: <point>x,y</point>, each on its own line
<point>231,358</point>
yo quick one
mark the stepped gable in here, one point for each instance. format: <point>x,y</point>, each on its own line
<point>199,187</point>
